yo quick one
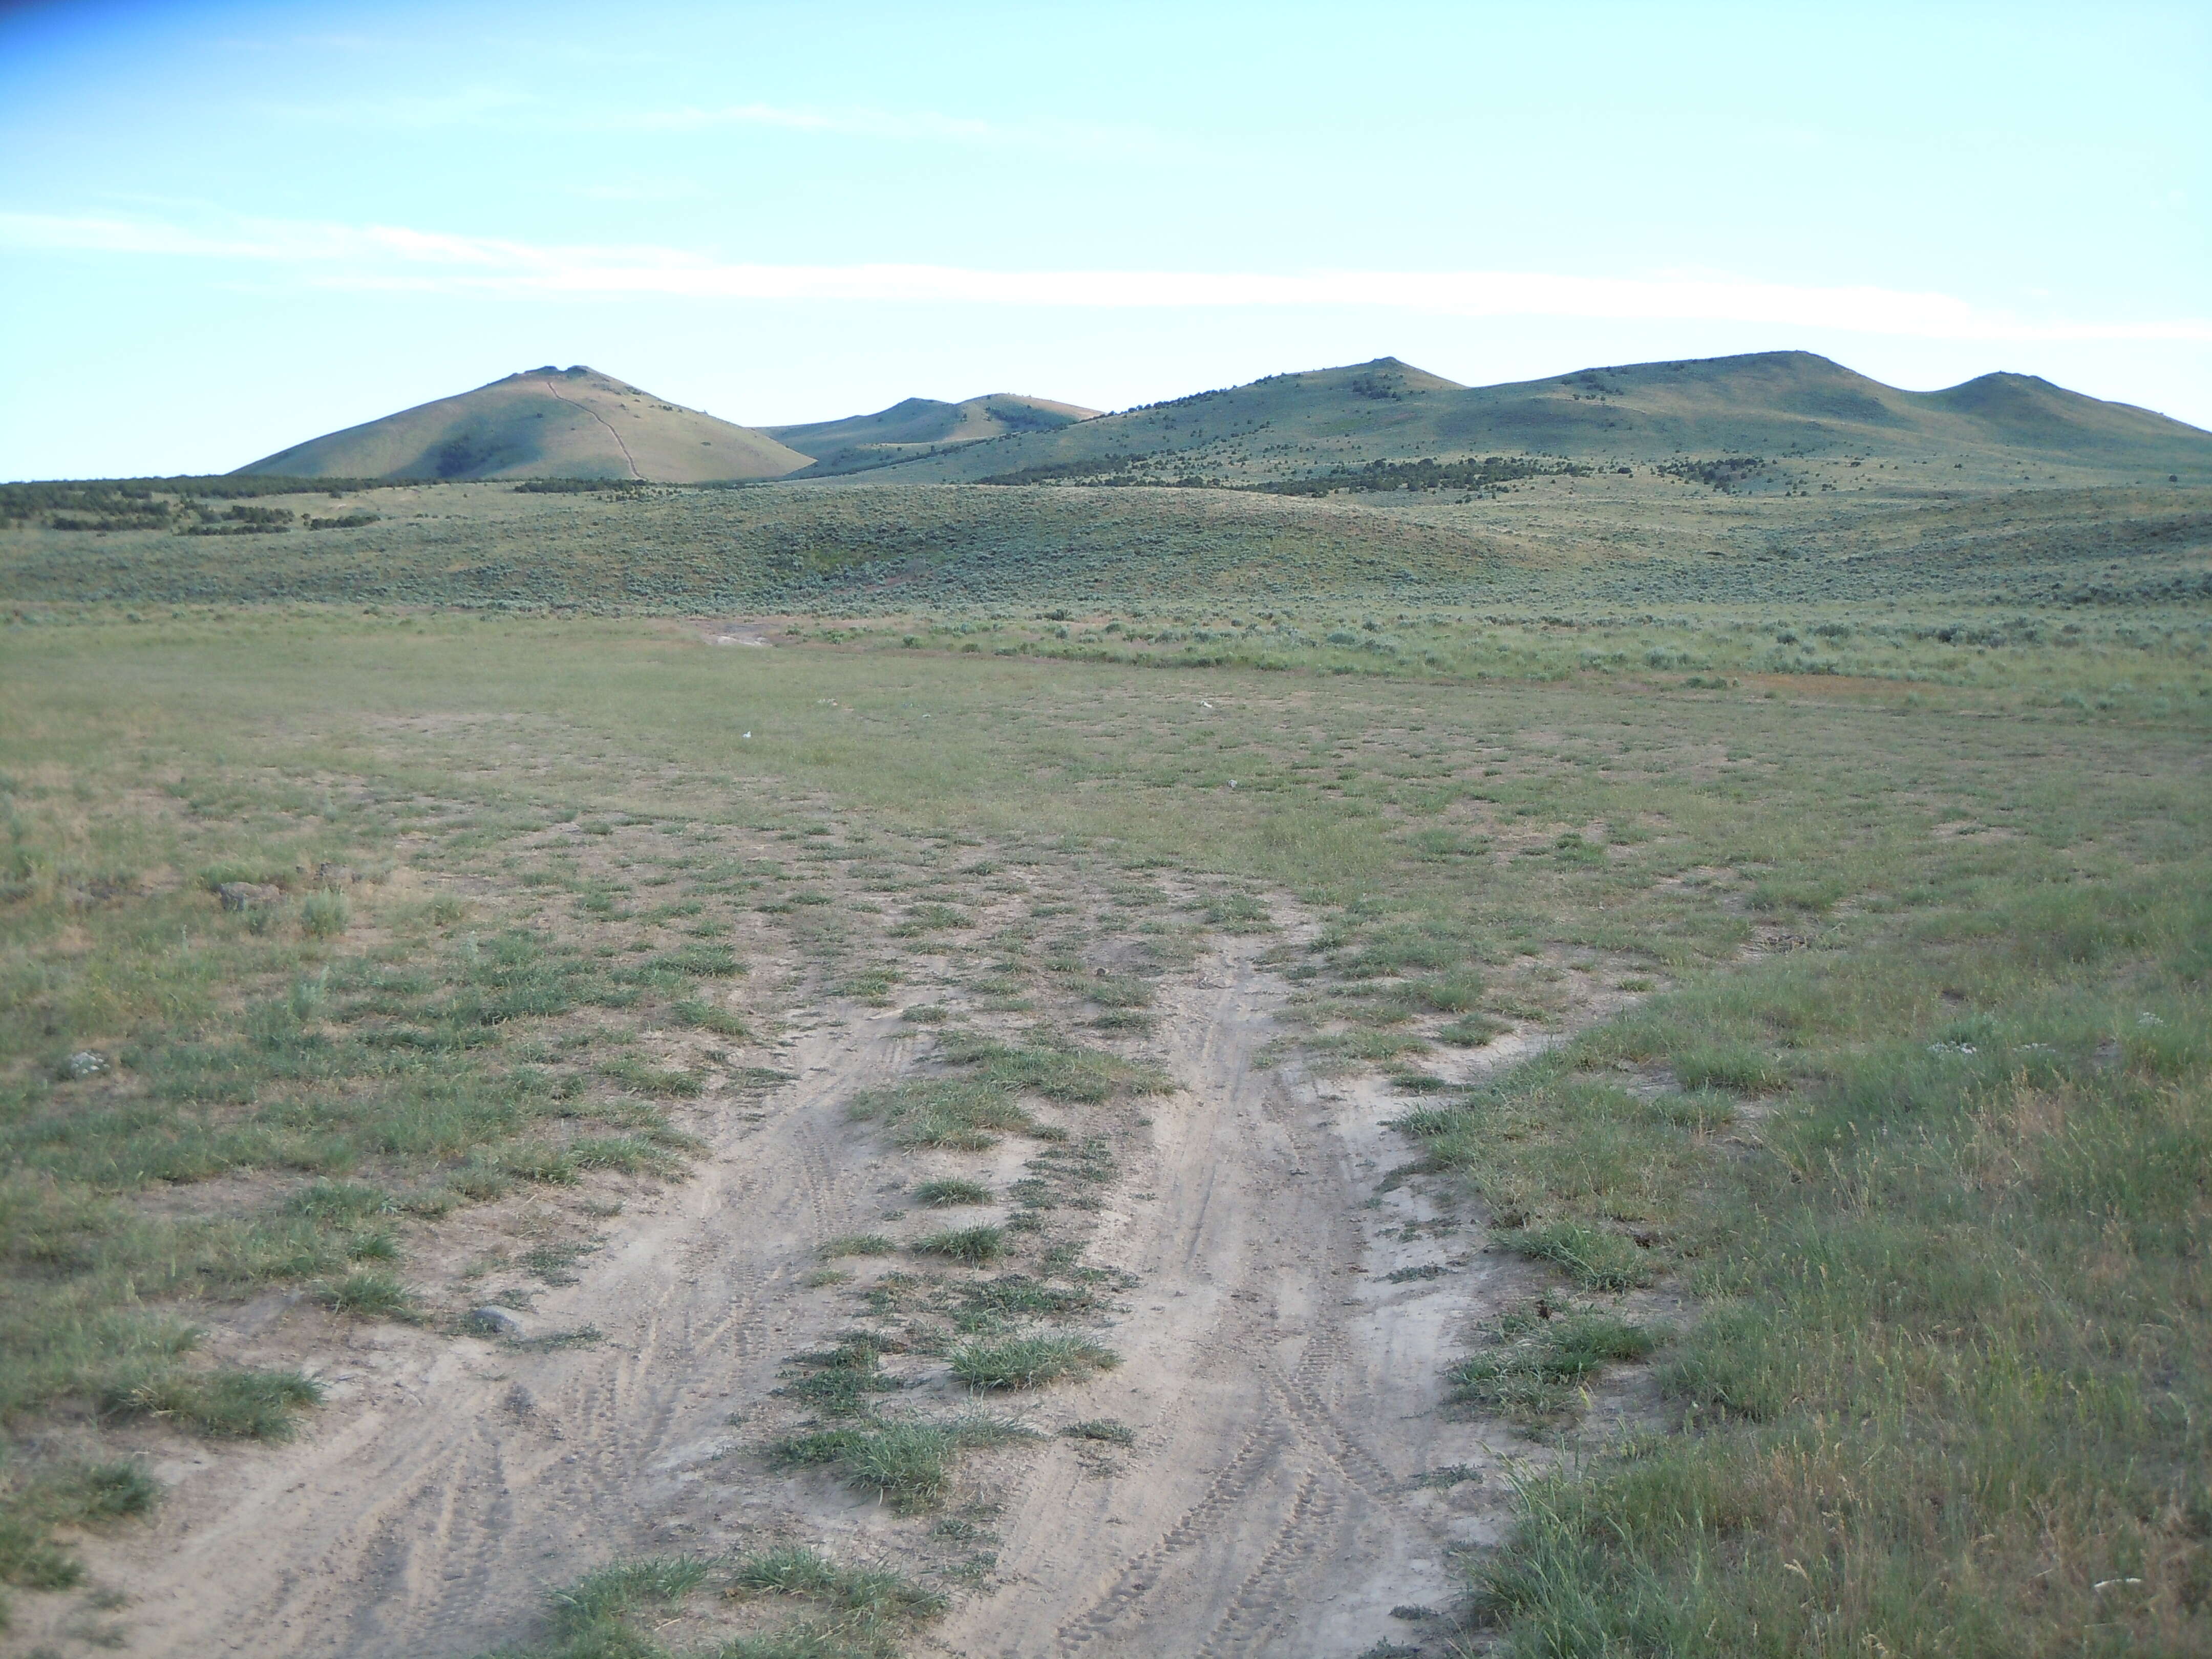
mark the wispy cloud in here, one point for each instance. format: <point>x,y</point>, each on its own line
<point>507,108</point>
<point>469,106</point>
<point>854,122</point>
<point>389,256</point>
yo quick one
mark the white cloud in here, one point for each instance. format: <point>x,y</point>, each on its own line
<point>398,258</point>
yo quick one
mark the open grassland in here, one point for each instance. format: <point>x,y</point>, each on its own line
<point>2078,600</point>
<point>1860,977</point>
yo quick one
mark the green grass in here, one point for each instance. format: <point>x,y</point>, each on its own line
<point>840,1382</point>
<point>962,1114</point>
<point>45,1503</point>
<point>909,1464</point>
<point>1872,853</point>
<point>1572,1163</point>
<point>369,1296</point>
<point>792,1571</point>
<point>326,916</point>
<point>1105,1430</point>
<point>230,1404</point>
<point>1953,1360</point>
<point>1537,1360</point>
<point>976,1247</point>
<point>939,1194</point>
<point>1029,1361</point>
<point>616,1611</point>
<point>980,1101</point>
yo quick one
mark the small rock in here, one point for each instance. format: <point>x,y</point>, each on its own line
<point>245,895</point>
<point>86,1062</point>
<point>496,1321</point>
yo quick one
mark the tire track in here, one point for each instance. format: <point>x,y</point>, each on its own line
<point>391,1530</point>
<point>1303,1540</point>
<point>1234,1484</point>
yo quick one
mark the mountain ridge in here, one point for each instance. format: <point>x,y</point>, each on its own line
<point>1312,422</point>
<point>575,423</point>
<point>916,426</point>
<point>1302,425</point>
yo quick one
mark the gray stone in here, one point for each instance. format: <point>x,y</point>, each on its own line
<point>86,1062</point>
<point>496,1321</point>
<point>247,895</point>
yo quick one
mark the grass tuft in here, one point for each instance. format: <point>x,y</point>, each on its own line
<point>1030,1361</point>
<point>976,1246</point>
<point>1595,1258</point>
<point>1104,1429</point>
<point>907,1464</point>
<point>939,1194</point>
<point>1531,1372</point>
<point>368,1295</point>
<point>239,1405</point>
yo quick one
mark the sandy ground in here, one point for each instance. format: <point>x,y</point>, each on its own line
<point>1284,1392</point>
<point>1284,1395</point>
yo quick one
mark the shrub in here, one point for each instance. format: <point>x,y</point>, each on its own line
<point>326,915</point>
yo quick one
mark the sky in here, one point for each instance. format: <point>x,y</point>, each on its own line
<point>227,228</point>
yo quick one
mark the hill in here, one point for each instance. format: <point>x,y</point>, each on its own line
<point>919,426</point>
<point>543,423</point>
<point>1769,405</point>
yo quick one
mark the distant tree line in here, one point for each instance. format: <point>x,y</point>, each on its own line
<point>1723,474</point>
<point>1426,474</point>
<point>1098,469</point>
<point>243,521</point>
<point>151,503</point>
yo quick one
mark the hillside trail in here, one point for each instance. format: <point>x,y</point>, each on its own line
<point>1292,1478</point>
<point>603,422</point>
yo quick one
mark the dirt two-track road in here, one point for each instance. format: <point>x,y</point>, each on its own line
<point>1292,1478</point>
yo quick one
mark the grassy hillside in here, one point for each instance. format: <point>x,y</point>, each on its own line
<point>2108,592</point>
<point>1555,542</point>
<point>1789,421</point>
<point>781,547</point>
<point>544,424</point>
<point>920,425</point>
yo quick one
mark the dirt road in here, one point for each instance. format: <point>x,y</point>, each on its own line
<point>1283,1389</point>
